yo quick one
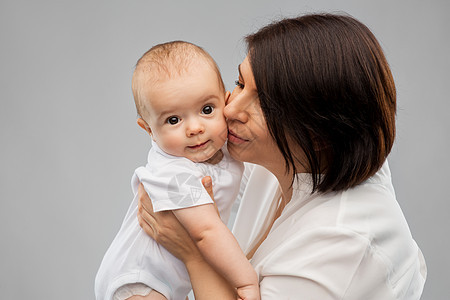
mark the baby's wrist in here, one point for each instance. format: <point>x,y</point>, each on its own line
<point>193,259</point>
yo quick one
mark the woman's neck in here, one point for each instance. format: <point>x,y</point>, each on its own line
<point>286,188</point>
<point>284,179</point>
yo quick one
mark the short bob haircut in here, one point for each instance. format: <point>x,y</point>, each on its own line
<point>324,83</point>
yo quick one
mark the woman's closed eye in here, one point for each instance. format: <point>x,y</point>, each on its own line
<point>239,84</point>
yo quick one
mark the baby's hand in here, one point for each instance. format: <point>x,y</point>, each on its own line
<point>248,292</point>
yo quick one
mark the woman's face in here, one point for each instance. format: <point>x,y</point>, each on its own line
<point>249,139</point>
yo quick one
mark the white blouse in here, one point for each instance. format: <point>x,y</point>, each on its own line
<point>354,244</point>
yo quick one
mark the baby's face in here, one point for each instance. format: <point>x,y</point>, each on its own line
<point>186,113</point>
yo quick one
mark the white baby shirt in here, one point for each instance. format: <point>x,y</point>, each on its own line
<point>172,183</point>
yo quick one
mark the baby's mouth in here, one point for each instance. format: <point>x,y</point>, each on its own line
<point>198,146</point>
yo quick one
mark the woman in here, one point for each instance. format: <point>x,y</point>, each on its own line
<point>314,105</point>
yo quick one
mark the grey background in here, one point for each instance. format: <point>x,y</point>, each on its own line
<point>69,140</point>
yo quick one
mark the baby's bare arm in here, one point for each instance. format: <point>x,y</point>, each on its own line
<point>218,245</point>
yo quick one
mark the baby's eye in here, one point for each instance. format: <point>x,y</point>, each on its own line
<point>239,84</point>
<point>207,109</point>
<point>173,120</point>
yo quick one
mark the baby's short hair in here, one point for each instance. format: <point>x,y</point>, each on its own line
<point>165,61</point>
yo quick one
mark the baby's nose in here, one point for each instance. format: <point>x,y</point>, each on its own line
<point>195,128</point>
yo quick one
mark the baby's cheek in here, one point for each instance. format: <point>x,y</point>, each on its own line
<point>172,144</point>
<point>220,127</point>
<point>223,133</point>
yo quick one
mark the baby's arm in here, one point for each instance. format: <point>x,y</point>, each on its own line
<point>219,247</point>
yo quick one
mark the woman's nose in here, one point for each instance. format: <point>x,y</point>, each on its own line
<point>235,110</point>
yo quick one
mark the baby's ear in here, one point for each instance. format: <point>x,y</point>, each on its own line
<point>141,122</point>
<point>227,96</point>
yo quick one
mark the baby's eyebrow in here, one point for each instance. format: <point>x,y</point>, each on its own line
<point>165,113</point>
<point>209,97</point>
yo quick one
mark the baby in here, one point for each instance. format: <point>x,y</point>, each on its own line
<point>180,97</point>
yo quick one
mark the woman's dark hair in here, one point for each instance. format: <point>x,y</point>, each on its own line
<point>324,83</point>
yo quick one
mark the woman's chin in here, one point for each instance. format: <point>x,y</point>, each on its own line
<point>236,151</point>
